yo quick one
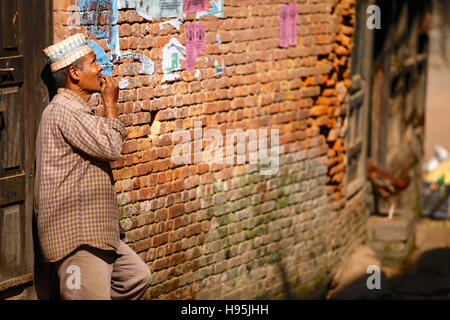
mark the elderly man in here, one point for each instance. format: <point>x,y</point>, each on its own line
<point>75,202</point>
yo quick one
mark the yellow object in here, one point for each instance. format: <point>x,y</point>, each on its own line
<point>447,178</point>
<point>442,171</point>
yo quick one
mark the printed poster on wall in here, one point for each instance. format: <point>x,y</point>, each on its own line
<point>292,21</point>
<point>100,17</point>
<point>127,4</point>
<point>147,65</point>
<point>173,52</point>
<point>288,25</point>
<point>195,43</point>
<point>192,6</point>
<point>215,10</point>
<point>200,31</point>
<point>168,8</point>
<point>150,9</point>
<point>191,53</point>
<point>284,26</point>
<point>102,58</point>
<point>144,8</point>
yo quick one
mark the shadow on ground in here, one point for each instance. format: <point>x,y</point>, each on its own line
<point>429,279</point>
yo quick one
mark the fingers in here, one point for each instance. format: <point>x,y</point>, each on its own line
<point>110,91</point>
<point>103,82</point>
<point>110,82</point>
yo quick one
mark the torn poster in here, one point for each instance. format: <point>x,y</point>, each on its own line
<point>145,12</point>
<point>74,21</point>
<point>123,83</point>
<point>190,6</point>
<point>284,26</point>
<point>150,9</point>
<point>216,10</point>
<point>147,65</point>
<point>126,4</point>
<point>168,8</point>
<point>219,68</point>
<point>292,34</point>
<point>100,17</point>
<point>173,52</point>
<point>176,23</point>
<point>219,41</point>
<point>144,8</point>
<point>102,58</point>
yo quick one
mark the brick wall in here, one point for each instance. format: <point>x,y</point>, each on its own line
<point>227,231</point>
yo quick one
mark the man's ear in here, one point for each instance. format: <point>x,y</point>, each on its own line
<point>74,73</point>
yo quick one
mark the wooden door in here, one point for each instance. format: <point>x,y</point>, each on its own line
<point>359,102</point>
<point>14,260</point>
<point>398,95</point>
<point>24,31</point>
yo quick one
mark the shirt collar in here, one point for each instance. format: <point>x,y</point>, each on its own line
<point>74,97</point>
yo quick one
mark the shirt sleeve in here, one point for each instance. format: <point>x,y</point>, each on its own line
<point>99,137</point>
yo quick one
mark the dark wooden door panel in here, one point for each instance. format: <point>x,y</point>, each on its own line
<point>12,262</point>
<point>13,257</point>
<point>11,70</point>
<point>12,189</point>
<point>10,26</point>
<point>358,106</point>
<point>25,29</point>
<point>11,137</point>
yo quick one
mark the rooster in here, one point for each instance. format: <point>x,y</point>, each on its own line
<point>386,184</point>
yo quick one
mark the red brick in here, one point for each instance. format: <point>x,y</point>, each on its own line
<point>176,210</point>
<point>160,239</point>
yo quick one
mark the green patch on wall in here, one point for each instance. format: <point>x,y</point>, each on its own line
<point>250,234</point>
<point>294,177</point>
<point>121,213</point>
<point>282,203</point>
<point>269,217</point>
<point>223,220</point>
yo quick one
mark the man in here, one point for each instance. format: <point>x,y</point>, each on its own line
<point>75,202</point>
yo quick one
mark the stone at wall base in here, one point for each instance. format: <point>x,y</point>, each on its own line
<point>392,240</point>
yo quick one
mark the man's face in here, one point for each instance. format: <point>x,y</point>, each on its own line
<point>91,74</point>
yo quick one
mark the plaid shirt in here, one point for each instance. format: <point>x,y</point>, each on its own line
<point>75,201</point>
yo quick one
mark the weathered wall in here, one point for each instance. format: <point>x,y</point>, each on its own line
<point>227,231</point>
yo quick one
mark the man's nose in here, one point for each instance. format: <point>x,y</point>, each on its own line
<point>100,68</point>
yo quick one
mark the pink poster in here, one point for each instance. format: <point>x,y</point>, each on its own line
<point>200,37</point>
<point>192,6</point>
<point>191,52</point>
<point>195,43</point>
<point>284,26</point>
<point>292,21</point>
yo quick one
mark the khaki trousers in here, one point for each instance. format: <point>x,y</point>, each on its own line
<point>89,273</point>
